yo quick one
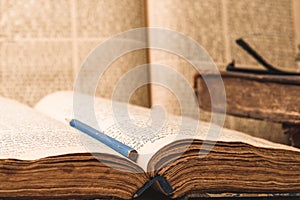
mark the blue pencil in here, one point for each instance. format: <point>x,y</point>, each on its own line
<point>105,139</point>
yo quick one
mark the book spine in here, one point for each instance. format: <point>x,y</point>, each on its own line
<point>163,183</point>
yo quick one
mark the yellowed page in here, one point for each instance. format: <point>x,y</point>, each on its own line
<point>27,134</point>
<point>147,130</point>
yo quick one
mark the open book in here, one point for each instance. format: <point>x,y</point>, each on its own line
<point>41,155</point>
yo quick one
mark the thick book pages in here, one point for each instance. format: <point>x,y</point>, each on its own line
<point>42,156</point>
<point>238,163</point>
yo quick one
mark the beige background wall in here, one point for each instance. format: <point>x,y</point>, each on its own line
<point>216,24</point>
<point>43,43</point>
<point>297,19</point>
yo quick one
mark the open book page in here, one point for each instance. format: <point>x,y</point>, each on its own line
<point>145,130</point>
<point>27,134</point>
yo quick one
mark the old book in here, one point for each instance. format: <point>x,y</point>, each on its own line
<point>265,97</point>
<point>41,155</point>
